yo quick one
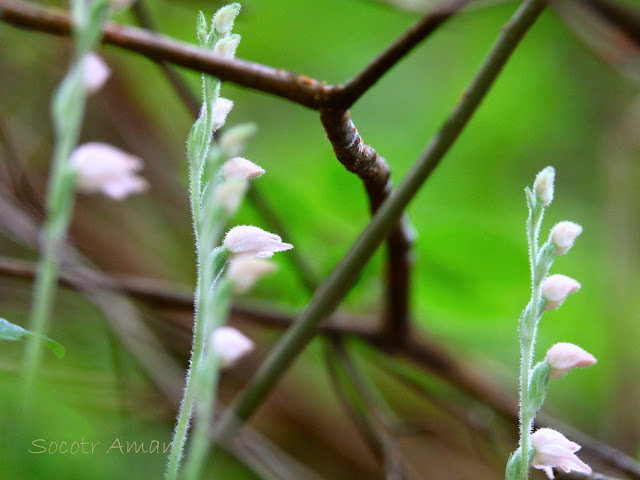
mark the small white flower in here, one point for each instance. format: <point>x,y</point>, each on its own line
<point>224,18</point>
<point>230,345</point>
<point>552,449</point>
<point>227,46</point>
<point>234,140</point>
<point>221,109</point>
<point>103,168</point>
<point>95,71</point>
<point>563,235</point>
<point>563,357</point>
<point>230,194</point>
<point>244,271</point>
<point>246,239</point>
<point>543,185</point>
<point>556,289</point>
<point>240,168</point>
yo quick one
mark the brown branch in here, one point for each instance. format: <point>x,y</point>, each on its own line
<point>363,81</point>
<point>372,168</point>
<point>300,89</point>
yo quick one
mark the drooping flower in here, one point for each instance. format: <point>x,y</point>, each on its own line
<point>96,72</point>
<point>221,109</point>
<point>563,234</point>
<point>556,289</point>
<point>245,270</point>
<point>230,345</point>
<point>249,240</point>
<point>103,168</point>
<point>563,357</point>
<point>552,449</point>
<point>240,168</point>
<point>543,185</point>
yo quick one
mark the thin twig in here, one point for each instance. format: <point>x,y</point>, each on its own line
<point>363,81</point>
<point>372,168</point>
<point>342,278</point>
<point>300,89</point>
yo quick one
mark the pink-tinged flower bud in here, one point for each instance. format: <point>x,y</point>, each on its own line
<point>563,235</point>
<point>230,194</point>
<point>224,18</point>
<point>244,271</point>
<point>221,109</point>
<point>249,240</point>
<point>543,185</point>
<point>227,46</point>
<point>552,449</point>
<point>102,168</point>
<point>230,345</point>
<point>563,357</point>
<point>95,71</point>
<point>556,289</point>
<point>240,168</point>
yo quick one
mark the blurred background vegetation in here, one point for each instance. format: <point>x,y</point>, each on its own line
<point>557,103</point>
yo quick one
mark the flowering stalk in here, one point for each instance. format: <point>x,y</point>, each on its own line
<point>207,218</point>
<point>546,294</point>
<point>67,112</point>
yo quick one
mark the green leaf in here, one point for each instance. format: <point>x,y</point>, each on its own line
<point>13,333</point>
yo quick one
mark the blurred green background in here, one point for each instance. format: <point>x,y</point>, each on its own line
<point>557,103</point>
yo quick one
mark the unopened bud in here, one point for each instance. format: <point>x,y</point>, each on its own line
<point>240,168</point>
<point>563,357</point>
<point>230,345</point>
<point>224,18</point>
<point>543,185</point>
<point>95,71</point>
<point>234,140</point>
<point>563,235</point>
<point>221,109</point>
<point>250,240</point>
<point>244,271</point>
<point>556,289</point>
<point>227,46</point>
<point>229,194</point>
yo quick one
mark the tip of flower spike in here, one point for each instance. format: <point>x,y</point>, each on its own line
<point>225,17</point>
<point>543,185</point>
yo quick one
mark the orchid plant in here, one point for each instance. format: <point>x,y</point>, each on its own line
<point>546,448</point>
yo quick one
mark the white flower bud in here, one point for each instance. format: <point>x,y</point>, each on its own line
<point>227,46</point>
<point>230,194</point>
<point>240,168</point>
<point>563,357</point>
<point>543,185</point>
<point>552,449</point>
<point>95,71</point>
<point>224,18</point>
<point>563,235</point>
<point>246,239</point>
<point>230,345</point>
<point>221,109</point>
<point>234,140</point>
<point>102,168</point>
<point>244,271</point>
<point>556,288</point>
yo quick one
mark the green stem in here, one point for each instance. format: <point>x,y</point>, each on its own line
<point>342,278</point>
